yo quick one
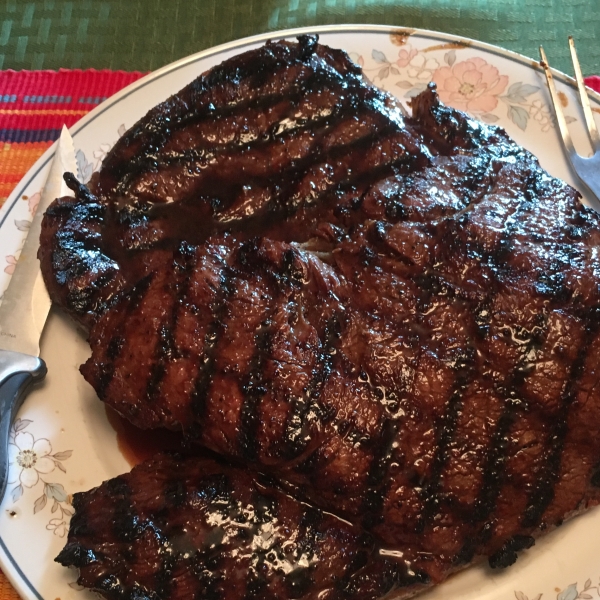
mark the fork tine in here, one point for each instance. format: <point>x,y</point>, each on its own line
<point>585,102</point>
<point>560,117</point>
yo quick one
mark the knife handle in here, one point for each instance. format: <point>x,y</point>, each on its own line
<point>18,372</point>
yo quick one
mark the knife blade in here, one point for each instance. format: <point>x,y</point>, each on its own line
<point>25,306</point>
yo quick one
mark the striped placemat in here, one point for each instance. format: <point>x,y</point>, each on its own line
<point>34,105</point>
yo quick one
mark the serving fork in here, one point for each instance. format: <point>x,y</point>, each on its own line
<point>587,169</point>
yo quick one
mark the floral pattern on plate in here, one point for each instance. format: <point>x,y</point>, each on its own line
<point>473,85</point>
<point>86,168</point>
<point>31,460</point>
<point>22,225</point>
<point>588,592</point>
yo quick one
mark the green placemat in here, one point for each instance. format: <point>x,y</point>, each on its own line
<point>146,34</point>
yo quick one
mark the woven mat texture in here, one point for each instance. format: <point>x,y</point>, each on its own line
<point>146,34</point>
<point>34,105</point>
<point>7,592</point>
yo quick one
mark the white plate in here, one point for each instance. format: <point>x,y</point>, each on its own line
<point>65,424</point>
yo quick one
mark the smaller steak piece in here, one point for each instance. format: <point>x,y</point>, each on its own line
<point>186,528</point>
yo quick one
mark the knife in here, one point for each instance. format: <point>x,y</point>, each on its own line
<point>24,308</point>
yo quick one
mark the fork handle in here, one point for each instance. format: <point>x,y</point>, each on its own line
<point>18,372</point>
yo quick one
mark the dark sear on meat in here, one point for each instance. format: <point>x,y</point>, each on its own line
<point>185,528</point>
<point>397,316</point>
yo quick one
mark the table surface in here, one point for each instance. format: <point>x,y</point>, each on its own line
<point>147,34</point>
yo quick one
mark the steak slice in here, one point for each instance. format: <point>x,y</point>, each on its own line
<point>396,315</point>
<point>181,528</point>
<point>274,141</point>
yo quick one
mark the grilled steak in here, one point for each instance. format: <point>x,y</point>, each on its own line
<point>396,315</point>
<point>272,142</point>
<point>183,528</point>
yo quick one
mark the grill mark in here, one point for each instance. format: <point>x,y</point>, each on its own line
<point>495,465</point>
<point>496,458</point>
<point>83,294</point>
<point>393,574</point>
<point>382,458</point>
<point>254,389</point>
<point>552,283</point>
<point>407,163</point>
<point>184,263</point>
<point>433,285</point>
<point>125,523</point>
<point>479,180</point>
<point>285,279</point>
<point>164,575</point>
<point>307,409</point>
<point>299,582</point>
<point>290,273</point>
<point>206,568</point>
<point>595,475</point>
<point>217,491</point>
<point>175,493</point>
<point>507,555</point>
<point>543,490</point>
<point>138,293</point>
<point>106,370</point>
<point>151,161</point>
<point>157,135</point>
<point>255,585</point>
<point>160,135</point>
<point>512,222</point>
<point>348,583</point>
<point>214,332</point>
<point>308,536</point>
<point>285,203</point>
<point>277,133</point>
<point>478,171</point>
<point>255,73</point>
<point>162,352</point>
<point>463,368</point>
<point>285,200</point>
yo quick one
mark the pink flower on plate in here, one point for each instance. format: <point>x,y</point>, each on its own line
<point>33,202</point>
<point>357,58</point>
<point>472,85</point>
<point>29,458</point>
<point>405,55</point>
<point>11,263</point>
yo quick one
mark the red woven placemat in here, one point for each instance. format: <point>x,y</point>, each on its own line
<point>593,82</point>
<point>34,105</point>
